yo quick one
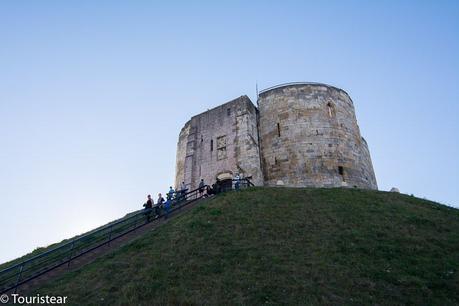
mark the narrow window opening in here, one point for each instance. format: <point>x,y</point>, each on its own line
<point>228,111</point>
<point>278,129</point>
<point>341,171</point>
<point>330,109</point>
<point>317,132</point>
<point>211,145</point>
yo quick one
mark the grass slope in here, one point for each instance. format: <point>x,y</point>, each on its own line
<point>284,246</point>
<point>39,250</point>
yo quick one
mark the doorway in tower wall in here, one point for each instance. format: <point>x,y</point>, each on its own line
<point>226,180</point>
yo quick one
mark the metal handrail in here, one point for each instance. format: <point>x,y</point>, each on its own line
<point>73,240</point>
<point>93,234</point>
<point>78,238</point>
<point>107,233</point>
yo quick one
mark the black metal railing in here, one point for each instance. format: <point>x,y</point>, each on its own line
<point>20,273</point>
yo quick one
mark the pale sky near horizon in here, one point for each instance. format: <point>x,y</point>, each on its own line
<point>93,95</point>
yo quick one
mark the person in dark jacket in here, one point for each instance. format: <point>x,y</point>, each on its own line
<point>216,187</point>
<point>181,193</point>
<point>210,190</point>
<point>183,188</point>
<point>148,206</point>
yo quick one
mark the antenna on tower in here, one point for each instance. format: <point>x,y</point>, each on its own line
<point>256,89</point>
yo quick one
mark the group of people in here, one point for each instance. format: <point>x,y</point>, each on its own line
<point>220,186</point>
<point>178,196</point>
<point>162,204</point>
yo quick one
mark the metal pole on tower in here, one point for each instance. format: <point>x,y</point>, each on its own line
<point>256,89</point>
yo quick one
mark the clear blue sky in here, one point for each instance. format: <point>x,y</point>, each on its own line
<point>93,95</point>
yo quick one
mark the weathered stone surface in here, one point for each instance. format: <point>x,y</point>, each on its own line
<point>308,137</point>
<point>220,142</point>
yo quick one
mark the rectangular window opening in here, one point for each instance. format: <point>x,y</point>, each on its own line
<point>228,111</point>
<point>278,129</point>
<point>221,147</point>
<point>211,145</point>
<point>341,170</point>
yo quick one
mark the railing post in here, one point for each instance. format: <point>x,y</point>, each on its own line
<point>71,253</point>
<point>110,234</point>
<point>19,278</point>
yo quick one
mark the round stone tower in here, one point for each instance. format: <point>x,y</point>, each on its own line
<point>309,137</point>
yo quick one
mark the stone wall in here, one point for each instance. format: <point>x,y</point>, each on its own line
<point>220,142</point>
<point>310,137</point>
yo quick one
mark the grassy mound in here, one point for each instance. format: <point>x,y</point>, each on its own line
<point>283,246</point>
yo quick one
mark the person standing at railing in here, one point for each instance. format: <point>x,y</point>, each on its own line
<point>159,204</point>
<point>170,194</point>
<point>183,187</point>
<point>237,182</point>
<point>167,207</point>
<point>148,207</point>
<point>182,192</point>
<point>201,187</point>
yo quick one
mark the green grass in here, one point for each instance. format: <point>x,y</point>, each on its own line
<point>40,250</point>
<point>62,251</point>
<point>283,246</point>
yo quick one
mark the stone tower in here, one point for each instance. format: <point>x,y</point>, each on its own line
<point>219,143</point>
<point>310,138</point>
<point>302,135</point>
